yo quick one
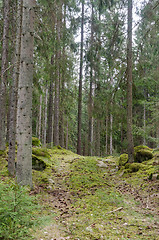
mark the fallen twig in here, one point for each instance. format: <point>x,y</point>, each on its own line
<point>118,209</point>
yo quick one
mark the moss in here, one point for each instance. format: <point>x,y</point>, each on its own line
<point>140,147</point>
<point>143,155</point>
<point>37,163</point>
<point>2,153</point>
<point>123,159</point>
<point>36,142</point>
<point>41,152</point>
<point>133,167</point>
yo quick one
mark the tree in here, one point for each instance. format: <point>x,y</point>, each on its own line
<point>129,86</point>
<point>80,85</point>
<point>24,111</point>
<point>13,100</point>
<point>4,65</point>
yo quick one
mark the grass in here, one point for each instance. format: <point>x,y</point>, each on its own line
<point>104,204</point>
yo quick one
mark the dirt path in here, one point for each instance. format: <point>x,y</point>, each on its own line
<point>140,215</point>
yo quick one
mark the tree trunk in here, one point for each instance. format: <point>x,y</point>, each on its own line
<point>57,77</point>
<point>40,117</point>
<point>14,91</point>
<point>50,108</point>
<point>106,135</point>
<point>80,87</point>
<point>4,65</point>
<point>111,133</point>
<point>98,138</point>
<point>45,117</point>
<point>129,86</point>
<point>24,111</point>
<point>90,105</point>
<point>67,134</point>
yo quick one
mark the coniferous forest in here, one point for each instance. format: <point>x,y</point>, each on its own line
<point>82,76</point>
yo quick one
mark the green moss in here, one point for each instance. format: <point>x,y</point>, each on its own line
<point>123,159</point>
<point>36,142</point>
<point>140,147</point>
<point>133,167</point>
<point>38,163</point>
<point>41,152</point>
<point>143,155</point>
<point>2,153</point>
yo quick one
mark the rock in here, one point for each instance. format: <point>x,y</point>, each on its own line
<point>123,159</point>
<point>102,164</point>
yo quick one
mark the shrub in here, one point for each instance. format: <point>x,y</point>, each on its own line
<point>16,212</point>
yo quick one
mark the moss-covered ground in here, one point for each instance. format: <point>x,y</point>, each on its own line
<point>91,198</point>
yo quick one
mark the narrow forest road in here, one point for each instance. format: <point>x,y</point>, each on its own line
<point>135,215</point>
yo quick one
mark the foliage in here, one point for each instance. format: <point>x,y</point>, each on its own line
<point>16,212</point>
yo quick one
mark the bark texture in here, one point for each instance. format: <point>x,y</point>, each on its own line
<point>3,81</point>
<point>129,86</point>
<point>24,111</point>
<point>13,99</point>
<point>80,87</point>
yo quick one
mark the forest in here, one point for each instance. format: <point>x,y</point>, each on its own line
<point>79,77</point>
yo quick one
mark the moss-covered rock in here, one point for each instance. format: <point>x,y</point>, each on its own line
<point>140,147</point>
<point>38,163</point>
<point>36,142</point>
<point>123,159</point>
<point>133,167</point>
<point>41,152</point>
<point>143,155</point>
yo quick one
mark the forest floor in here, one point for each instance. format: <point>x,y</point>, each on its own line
<point>90,198</point>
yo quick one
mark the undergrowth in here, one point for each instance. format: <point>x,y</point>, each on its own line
<point>17,210</point>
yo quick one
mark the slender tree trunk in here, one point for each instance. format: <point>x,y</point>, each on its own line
<point>129,86</point>
<point>40,117</point>
<point>80,87</point>
<point>3,81</point>
<point>144,122</point>
<point>90,124</point>
<point>98,138</point>
<point>13,106</point>
<point>67,134</point>
<point>57,80</point>
<point>111,134</point>
<point>106,135</point>
<point>24,111</point>
<point>50,107</point>
<point>45,117</point>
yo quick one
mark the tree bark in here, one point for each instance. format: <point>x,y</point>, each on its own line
<point>45,117</point>
<point>3,82</point>
<point>90,116</point>
<point>24,111</point>
<point>79,151</point>
<point>129,86</point>
<point>14,91</point>
<point>50,108</point>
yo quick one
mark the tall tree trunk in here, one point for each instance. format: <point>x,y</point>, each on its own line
<point>4,65</point>
<point>90,106</point>
<point>45,117</point>
<point>24,111</point>
<point>40,117</point>
<point>14,91</point>
<point>98,138</point>
<point>80,87</point>
<point>144,122</point>
<point>67,134</point>
<point>106,135</point>
<point>50,108</point>
<point>58,74</point>
<point>111,133</point>
<point>129,86</point>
